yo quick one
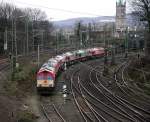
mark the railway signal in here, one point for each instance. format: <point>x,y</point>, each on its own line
<point>64,93</point>
<point>112,56</point>
<point>65,67</point>
<point>64,89</point>
<point>38,60</point>
<point>5,43</point>
<point>10,56</point>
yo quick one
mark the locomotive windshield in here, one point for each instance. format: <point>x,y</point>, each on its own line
<point>44,76</point>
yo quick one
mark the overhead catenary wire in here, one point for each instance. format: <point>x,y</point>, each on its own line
<point>58,9</point>
<point>63,10</point>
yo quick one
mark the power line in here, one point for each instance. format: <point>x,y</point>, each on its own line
<point>57,9</point>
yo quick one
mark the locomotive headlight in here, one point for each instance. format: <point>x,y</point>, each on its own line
<point>51,83</point>
<point>39,85</point>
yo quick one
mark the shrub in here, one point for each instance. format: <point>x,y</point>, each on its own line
<point>20,76</point>
<point>26,116</point>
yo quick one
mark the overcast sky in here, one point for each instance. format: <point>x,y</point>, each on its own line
<point>65,9</point>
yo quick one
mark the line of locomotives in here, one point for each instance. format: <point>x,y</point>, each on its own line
<point>46,76</point>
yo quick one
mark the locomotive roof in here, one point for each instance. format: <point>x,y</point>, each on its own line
<point>52,63</point>
<point>47,68</point>
<point>68,54</point>
<point>80,51</point>
<point>95,49</point>
<point>44,65</point>
<point>98,48</point>
<point>53,60</point>
<point>59,57</point>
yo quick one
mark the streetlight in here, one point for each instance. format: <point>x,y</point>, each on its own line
<point>135,35</point>
<point>126,42</point>
<point>27,35</point>
<point>113,51</point>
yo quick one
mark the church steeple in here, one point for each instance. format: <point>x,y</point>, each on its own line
<point>120,14</point>
<point>121,2</point>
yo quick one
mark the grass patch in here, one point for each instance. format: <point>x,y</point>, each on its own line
<point>19,75</point>
<point>23,80</point>
<point>26,116</point>
<point>138,77</point>
<point>11,88</point>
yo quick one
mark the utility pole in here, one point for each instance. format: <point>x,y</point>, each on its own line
<point>105,70</point>
<point>12,32</point>
<point>15,40</point>
<point>33,35</point>
<point>126,42</point>
<point>112,56</point>
<point>38,55</point>
<point>80,34</point>
<point>113,51</point>
<point>89,34</point>
<point>11,63</point>
<point>42,41</point>
<point>5,43</point>
<point>12,50</point>
<point>56,41</point>
<point>27,37</point>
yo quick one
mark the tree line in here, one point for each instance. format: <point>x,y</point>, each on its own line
<point>22,29</point>
<point>142,10</point>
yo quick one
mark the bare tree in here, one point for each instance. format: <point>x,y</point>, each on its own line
<point>35,14</point>
<point>142,10</point>
<point>20,24</point>
<point>6,10</point>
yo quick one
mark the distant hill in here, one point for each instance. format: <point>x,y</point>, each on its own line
<point>85,20</point>
<point>130,20</point>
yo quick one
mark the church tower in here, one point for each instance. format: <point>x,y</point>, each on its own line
<point>120,15</point>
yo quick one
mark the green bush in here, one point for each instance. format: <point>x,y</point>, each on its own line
<point>20,76</point>
<point>25,120</point>
<point>26,116</point>
<point>25,73</point>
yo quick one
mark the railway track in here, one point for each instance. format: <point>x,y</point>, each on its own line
<point>119,101</point>
<point>52,113</point>
<point>127,87</point>
<point>87,111</point>
<point>4,67</point>
<point>94,103</point>
<point>129,82</point>
<point>124,98</point>
<point>112,105</point>
<point>101,101</point>
<point>4,63</point>
<point>51,110</point>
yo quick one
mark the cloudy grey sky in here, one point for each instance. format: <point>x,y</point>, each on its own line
<point>64,9</point>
